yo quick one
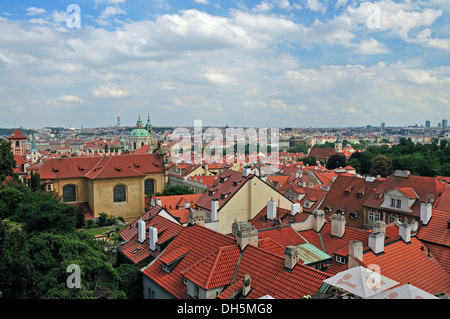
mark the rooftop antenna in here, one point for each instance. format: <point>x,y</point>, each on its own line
<point>118,119</point>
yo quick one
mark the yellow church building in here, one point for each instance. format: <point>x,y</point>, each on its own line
<point>116,185</point>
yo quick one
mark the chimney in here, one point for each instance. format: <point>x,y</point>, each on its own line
<point>425,213</point>
<point>158,202</point>
<point>405,232</point>
<point>379,227</point>
<point>214,210</point>
<point>196,217</point>
<point>152,237</point>
<point>246,171</point>
<point>337,225</point>
<point>246,285</point>
<point>414,226</point>
<point>355,250</point>
<point>141,231</point>
<point>319,218</point>
<point>245,233</point>
<point>187,204</point>
<point>290,257</point>
<point>376,242</point>
<point>400,173</point>
<point>295,208</point>
<point>271,209</point>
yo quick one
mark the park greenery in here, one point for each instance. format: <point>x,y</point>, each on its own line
<point>40,237</point>
<point>431,159</point>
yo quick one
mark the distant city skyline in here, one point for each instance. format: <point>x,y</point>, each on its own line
<point>261,63</point>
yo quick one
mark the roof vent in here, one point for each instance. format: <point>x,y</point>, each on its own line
<point>403,174</point>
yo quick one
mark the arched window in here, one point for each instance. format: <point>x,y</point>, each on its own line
<point>17,143</point>
<point>120,193</point>
<point>69,193</point>
<point>149,187</point>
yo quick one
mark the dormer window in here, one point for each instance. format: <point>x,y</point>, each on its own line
<point>399,203</point>
<point>392,202</point>
<point>341,259</point>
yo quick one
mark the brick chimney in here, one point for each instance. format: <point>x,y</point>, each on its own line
<point>355,250</point>
<point>319,219</point>
<point>290,257</point>
<point>245,233</point>
<point>197,217</point>
<point>337,225</point>
<point>246,285</point>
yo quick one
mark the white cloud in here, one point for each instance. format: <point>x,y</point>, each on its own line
<point>32,11</point>
<point>205,2</point>
<point>111,11</point>
<point>317,5</point>
<point>106,92</point>
<point>69,98</point>
<point>371,46</point>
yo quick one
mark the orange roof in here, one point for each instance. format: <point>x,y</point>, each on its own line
<point>410,263</point>
<point>17,135</point>
<point>138,252</point>
<point>101,166</point>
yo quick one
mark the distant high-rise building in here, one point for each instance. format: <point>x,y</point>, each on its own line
<point>439,125</point>
<point>427,124</point>
<point>382,127</point>
<point>444,123</point>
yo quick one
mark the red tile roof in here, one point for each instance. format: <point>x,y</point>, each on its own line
<point>321,153</point>
<point>201,242</point>
<point>138,252</point>
<point>17,135</point>
<point>427,189</point>
<point>337,199</point>
<point>284,217</point>
<point>410,263</point>
<point>437,230</point>
<point>269,277</point>
<point>443,203</point>
<point>284,236</point>
<point>101,166</point>
<point>131,230</point>
<point>229,182</point>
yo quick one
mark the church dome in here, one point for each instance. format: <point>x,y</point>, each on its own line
<point>139,131</point>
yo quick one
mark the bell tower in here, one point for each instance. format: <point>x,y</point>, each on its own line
<point>18,146</point>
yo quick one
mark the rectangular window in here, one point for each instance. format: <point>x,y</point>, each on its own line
<point>374,217</point>
<point>392,202</point>
<point>151,294</point>
<point>399,203</point>
<point>391,219</point>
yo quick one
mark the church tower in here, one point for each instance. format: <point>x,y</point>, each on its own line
<point>34,151</point>
<point>139,136</point>
<point>338,145</point>
<point>18,146</point>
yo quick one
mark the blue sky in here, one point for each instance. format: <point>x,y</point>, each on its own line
<point>267,63</point>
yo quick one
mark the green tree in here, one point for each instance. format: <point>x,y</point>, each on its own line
<point>175,190</point>
<point>10,199</point>
<point>336,161</point>
<point>310,161</point>
<point>16,267</point>
<point>381,165</point>
<point>44,212</point>
<point>7,161</point>
<point>53,253</point>
<point>130,281</point>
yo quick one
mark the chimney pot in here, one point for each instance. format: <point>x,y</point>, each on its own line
<point>295,208</point>
<point>152,237</point>
<point>246,285</point>
<point>337,225</point>
<point>271,210</point>
<point>214,210</point>
<point>405,232</point>
<point>141,231</point>
<point>355,250</point>
<point>290,257</point>
<point>376,242</point>
<point>245,233</point>
<point>319,217</point>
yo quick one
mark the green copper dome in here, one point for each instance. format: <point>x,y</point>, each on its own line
<point>139,130</point>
